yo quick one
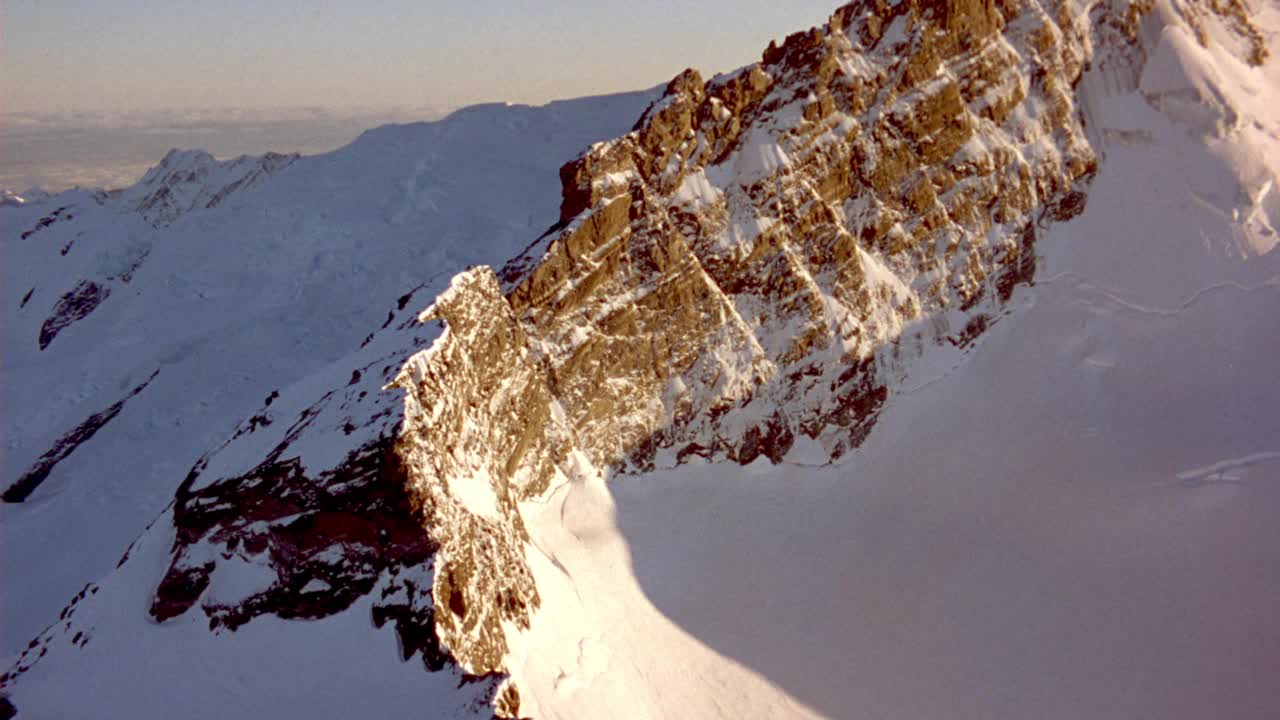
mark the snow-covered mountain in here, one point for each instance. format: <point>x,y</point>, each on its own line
<point>225,306</point>
<point>920,370</point>
<point>189,179</point>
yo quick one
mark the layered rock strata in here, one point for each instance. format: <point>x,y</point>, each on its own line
<point>749,270</point>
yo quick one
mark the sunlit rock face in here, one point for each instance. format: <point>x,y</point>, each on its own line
<point>749,266</point>
<point>748,271</point>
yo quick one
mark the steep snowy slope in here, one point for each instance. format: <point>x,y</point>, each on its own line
<point>207,316</point>
<point>920,370</point>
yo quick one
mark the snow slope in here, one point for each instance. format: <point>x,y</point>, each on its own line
<point>122,665</point>
<point>227,304</point>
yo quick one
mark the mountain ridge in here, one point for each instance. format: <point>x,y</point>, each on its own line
<point>651,324</point>
<point>749,276</point>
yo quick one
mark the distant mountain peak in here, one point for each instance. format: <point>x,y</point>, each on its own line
<point>186,180</point>
<point>31,196</point>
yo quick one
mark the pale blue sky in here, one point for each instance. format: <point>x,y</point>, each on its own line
<point>140,55</point>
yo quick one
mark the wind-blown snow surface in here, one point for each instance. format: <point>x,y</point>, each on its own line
<point>1076,519</point>
<point>124,665</point>
<point>227,305</point>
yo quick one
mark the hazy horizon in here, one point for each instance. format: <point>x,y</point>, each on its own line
<point>141,55</point>
<point>59,151</point>
<point>94,95</point>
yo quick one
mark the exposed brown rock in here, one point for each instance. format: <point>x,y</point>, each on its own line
<point>756,262</point>
<point>279,517</point>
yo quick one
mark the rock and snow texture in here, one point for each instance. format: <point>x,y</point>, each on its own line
<point>228,308</point>
<point>766,257</point>
<point>103,658</point>
<point>921,370</point>
<point>759,261</point>
<point>187,180</point>
<point>1075,517</point>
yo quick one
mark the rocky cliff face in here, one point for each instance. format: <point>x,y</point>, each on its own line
<point>319,517</point>
<point>748,271</point>
<point>309,508</point>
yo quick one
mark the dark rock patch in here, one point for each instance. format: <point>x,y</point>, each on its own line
<point>74,306</point>
<point>46,221</point>
<point>22,488</point>
<point>328,539</point>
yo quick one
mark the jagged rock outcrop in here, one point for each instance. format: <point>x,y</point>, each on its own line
<point>308,508</point>
<point>750,268</point>
<point>450,395</point>
<point>765,240</point>
<point>313,535</point>
<point>294,521</point>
